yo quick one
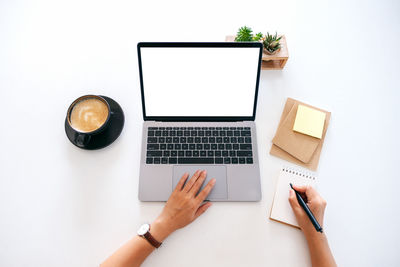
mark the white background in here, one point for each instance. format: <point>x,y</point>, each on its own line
<point>62,206</point>
<point>223,79</point>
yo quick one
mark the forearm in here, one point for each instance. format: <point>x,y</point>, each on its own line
<point>320,253</point>
<point>136,250</point>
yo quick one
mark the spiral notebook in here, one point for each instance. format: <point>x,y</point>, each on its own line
<point>281,210</point>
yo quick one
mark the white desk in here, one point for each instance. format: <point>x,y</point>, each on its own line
<point>62,206</point>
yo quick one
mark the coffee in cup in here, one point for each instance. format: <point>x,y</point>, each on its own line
<point>89,114</point>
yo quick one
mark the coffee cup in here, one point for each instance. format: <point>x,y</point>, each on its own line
<point>93,121</point>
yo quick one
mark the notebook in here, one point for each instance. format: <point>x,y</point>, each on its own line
<point>281,210</point>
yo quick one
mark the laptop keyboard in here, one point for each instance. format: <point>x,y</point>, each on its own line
<point>199,145</point>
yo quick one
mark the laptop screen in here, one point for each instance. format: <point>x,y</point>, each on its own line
<point>199,81</point>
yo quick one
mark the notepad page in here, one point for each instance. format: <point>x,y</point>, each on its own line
<point>281,210</point>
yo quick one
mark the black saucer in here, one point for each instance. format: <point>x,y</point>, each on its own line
<point>108,135</point>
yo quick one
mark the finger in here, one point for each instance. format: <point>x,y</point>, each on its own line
<point>206,190</point>
<point>192,180</point>
<point>199,182</point>
<point>181,182</point>
<point>202,209</point>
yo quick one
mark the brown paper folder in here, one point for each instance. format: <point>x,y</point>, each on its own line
<point>278,152</point>
<point>298,145</point>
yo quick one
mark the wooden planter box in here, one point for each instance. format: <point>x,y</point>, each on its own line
<point>271,62</point>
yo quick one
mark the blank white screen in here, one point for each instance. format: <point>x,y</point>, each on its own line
<point>199,81</point>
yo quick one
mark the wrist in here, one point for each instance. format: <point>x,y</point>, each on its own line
<point>160,229</point>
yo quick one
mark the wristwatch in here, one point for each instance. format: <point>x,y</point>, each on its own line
<point>144,231</point>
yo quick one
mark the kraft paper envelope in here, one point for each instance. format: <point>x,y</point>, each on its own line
<point>278,152</point>
<point>298,145</point>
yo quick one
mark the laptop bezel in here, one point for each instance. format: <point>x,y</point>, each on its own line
<point>199,44</point>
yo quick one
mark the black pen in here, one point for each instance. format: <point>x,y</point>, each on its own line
<point>307,210</point>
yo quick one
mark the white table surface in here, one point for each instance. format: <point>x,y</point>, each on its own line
<point>63,206</point>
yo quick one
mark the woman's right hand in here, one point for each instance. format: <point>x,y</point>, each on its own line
<point>314,201</point>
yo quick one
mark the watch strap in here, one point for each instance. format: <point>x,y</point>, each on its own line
<point>151,240</point>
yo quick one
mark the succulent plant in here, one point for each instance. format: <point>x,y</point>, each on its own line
<point>245,34</point>
<point>271,42</point>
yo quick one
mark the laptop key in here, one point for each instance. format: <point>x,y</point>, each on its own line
<point>197,140</point>
<point>183,139</point>
<point>163,146</point>
<point>158,133</point>
<point>179,133</point>
<point>228,146</point>
<point>214,146</point>
<point>227,160</point>
<point>153,146</point>
<point>247,140</point>
<point>221,146</point>
<point>150,133</point>
<point>166,153</point>
<point>235,146</point>
<point>154,153</point>
<point>168,139</point>
<point>219,160</point>
<point>170,146</point>
<point>172,133</point>
<point>152,140</point>
<point>224,153</point>
<point>222,133</point>
<point>153,128</point>
<point>242,160</point>
<point>240,140</point>
<point>229,133</point>
<point>190,140</point>
<point>164,160</point>
<point>245,146</point>
<point>201,133</point>
<point>226,139</point>
<point>174,153</point>
<point>219,139</point>
<point>233,139</point>
<point>165,133</point>
<point>178,146</point>
<point>175,139</point>
<point>204,139</point>
<point>203,153</point>
<point>235,161</point>
<point>196,153</point>
<point>214,133</point>
<point>249,160</point>
<point>181,153</point>
<point>210,153</point>
<point>199,146</point>
<point>245,133</point>
<point>173,160</point>
<point>193,133</point>
<point>185,146</point>
<point>232,153</point>
<point>243,153</point>
<point>149,160</point>
<point>188,153</point>
<point>156,161</point>
<point>192,146</point>
<point>212,139</point>
<point>195,160</point>
<point>218,153</point>
<point>208,133</point>
<point>236,133</point>
<point>207,146</point>
<point>186,133</point>
<point>161,139</point>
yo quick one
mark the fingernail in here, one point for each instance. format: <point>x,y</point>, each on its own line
<point>204,172</point>
<point>213,181</point>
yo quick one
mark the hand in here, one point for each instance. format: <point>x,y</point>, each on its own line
<point>183,206</point>
<point>314,201</point>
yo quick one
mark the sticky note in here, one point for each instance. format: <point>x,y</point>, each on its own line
<point>309,121</point>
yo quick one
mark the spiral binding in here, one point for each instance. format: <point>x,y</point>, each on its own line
<point>299,172</point>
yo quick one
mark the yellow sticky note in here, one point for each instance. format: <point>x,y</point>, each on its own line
<point>309,121</point>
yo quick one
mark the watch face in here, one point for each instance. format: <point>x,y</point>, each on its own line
<point>143,229</point>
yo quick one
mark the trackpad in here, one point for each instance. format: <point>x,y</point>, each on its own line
<point>220,190</point>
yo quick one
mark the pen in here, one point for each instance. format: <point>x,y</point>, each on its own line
<point>307,210</point>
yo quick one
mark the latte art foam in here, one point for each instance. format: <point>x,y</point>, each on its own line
<point>88,115</point>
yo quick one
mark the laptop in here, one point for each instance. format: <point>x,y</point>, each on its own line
<point>199,105</point>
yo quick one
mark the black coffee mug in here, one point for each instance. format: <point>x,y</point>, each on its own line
<point>101,137</point>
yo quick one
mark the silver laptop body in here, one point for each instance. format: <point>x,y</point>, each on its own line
<point>199,104</point>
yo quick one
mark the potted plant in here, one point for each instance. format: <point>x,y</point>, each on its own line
<point>271,43</point>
